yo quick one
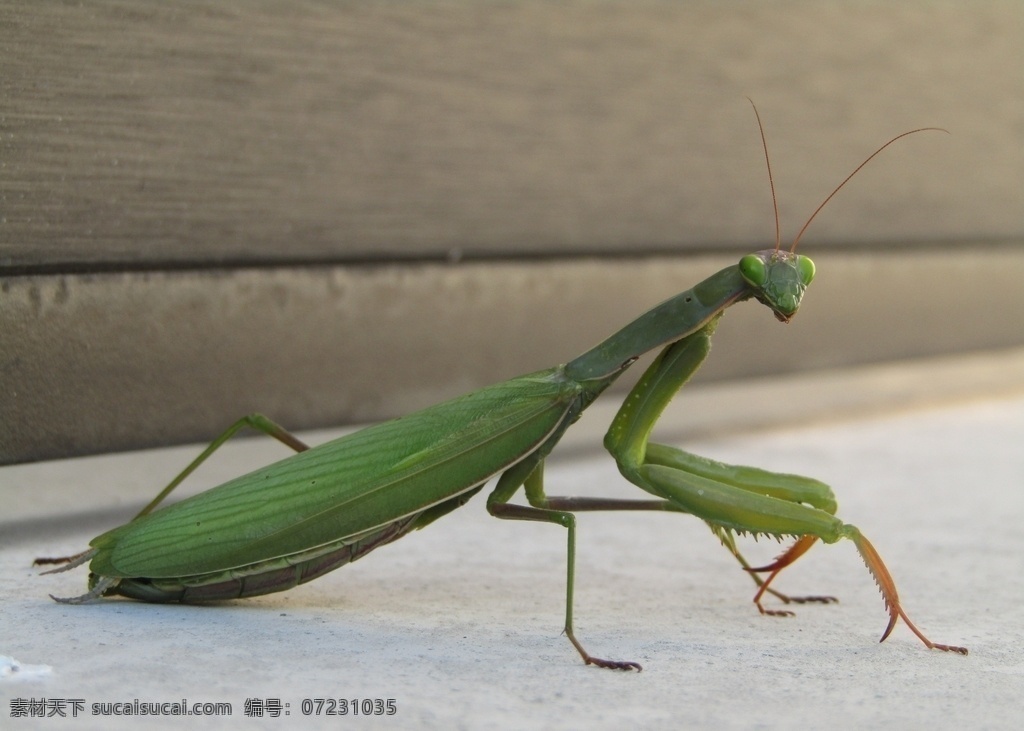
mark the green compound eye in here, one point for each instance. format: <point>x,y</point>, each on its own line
<point>753,270</point>
<point>806,267</point>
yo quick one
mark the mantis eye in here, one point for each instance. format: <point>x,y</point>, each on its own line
<point>806,267</point>
<point>753,269</point>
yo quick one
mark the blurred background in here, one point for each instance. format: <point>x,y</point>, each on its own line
<point>339,212</point>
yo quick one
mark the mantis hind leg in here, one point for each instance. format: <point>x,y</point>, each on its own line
<point>254,421</point>
<point>101,585</point>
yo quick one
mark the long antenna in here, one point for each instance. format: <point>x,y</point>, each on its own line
<point>846,180</point>
<point>771,181</point>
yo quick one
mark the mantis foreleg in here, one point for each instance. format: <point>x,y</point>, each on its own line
<point>727,497</point>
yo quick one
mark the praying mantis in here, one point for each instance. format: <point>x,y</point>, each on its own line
<point>325,506</point>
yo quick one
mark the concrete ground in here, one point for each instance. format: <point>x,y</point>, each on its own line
<point>460,624</point>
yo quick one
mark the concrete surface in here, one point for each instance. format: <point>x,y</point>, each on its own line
<point>460,624</point>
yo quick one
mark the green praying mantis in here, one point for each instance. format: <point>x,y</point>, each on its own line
<point>315,511</point>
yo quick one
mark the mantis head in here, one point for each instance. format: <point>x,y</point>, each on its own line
<point>778,279</point>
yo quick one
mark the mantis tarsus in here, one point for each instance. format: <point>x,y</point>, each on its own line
<point>315,511</point>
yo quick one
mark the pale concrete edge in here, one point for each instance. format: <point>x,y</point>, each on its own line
<point>110,363</point>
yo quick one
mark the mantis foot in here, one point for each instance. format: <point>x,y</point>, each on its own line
<point>612,664</point>
<point>93,595</point>
<point>888,588</point>
<point>774,612</point>
<point>807,599</point>
<point>786,599</point>
<point>589,659</point>
<point>785,559</point>
<point>950,648</point>
<point>67,562</point>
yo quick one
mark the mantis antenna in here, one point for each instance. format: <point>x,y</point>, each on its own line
<point>771,181</point>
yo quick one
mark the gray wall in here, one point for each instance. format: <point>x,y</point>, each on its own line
<point>335,212</point>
